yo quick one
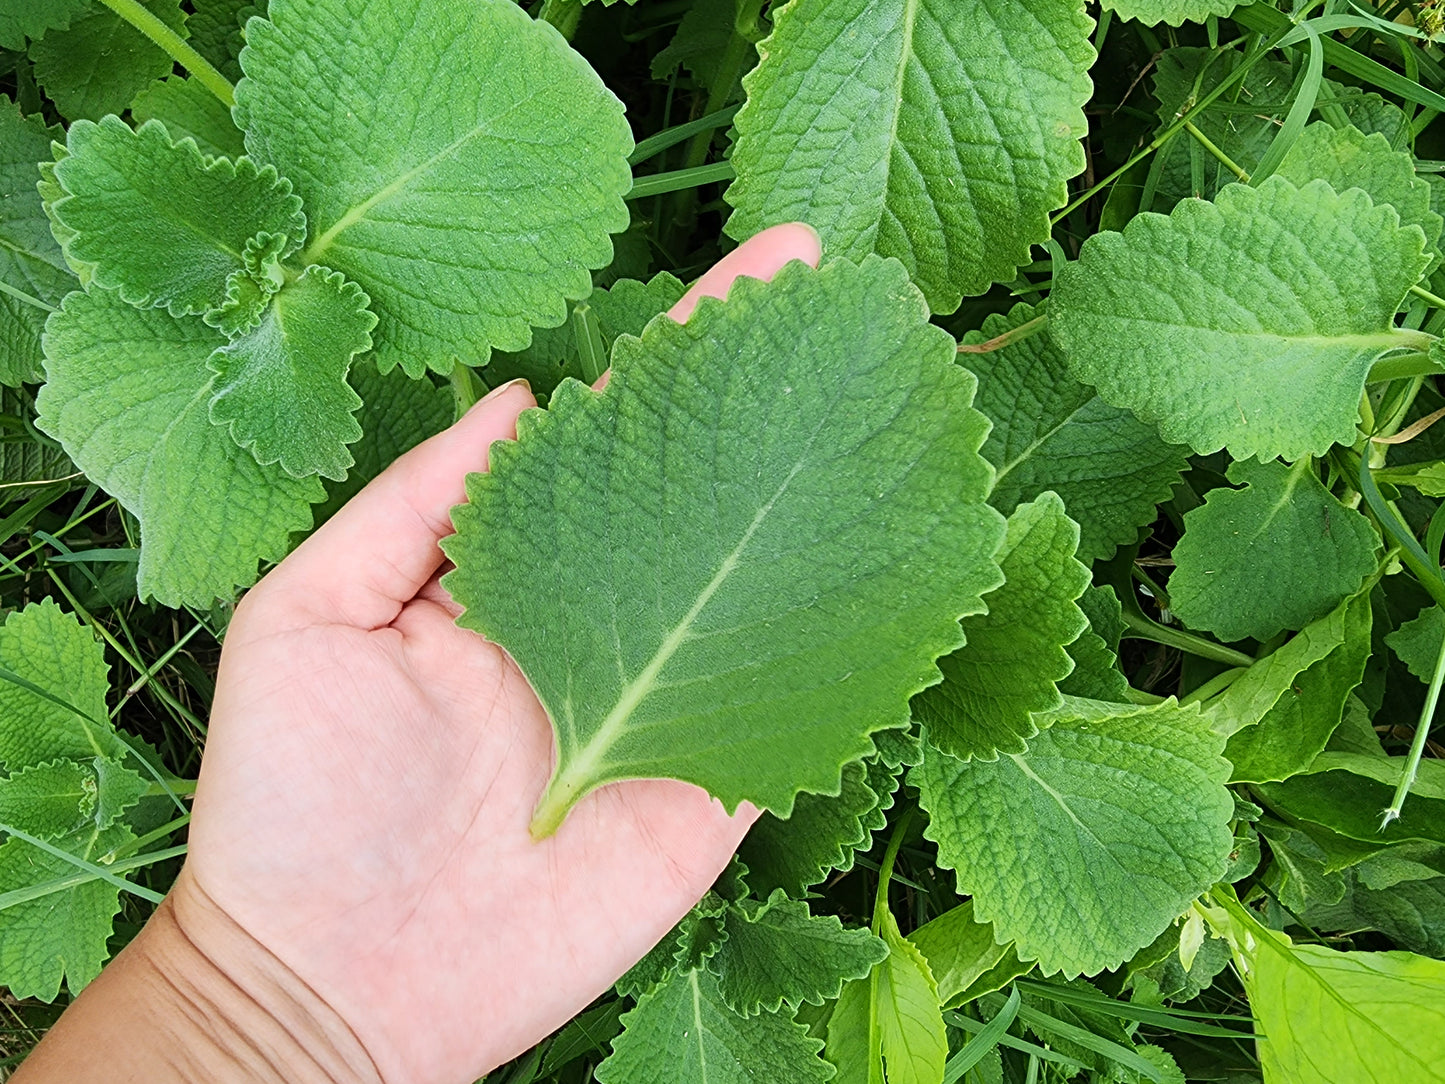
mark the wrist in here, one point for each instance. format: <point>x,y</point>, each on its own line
<point>195,998</point>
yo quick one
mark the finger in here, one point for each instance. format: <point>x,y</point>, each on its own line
<point>373,556</point>
<point>759,257</point>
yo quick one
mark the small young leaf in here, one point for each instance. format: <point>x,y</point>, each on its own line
<point>190,111</point>
<point>788,542</point>
<point>1096,674</point>
<point>100,62</point>
<point>281,388</point>
<point>127,397</point>
<point>159,222</point>
<point>1052,432</point>
<point>1270,303</point>
<point>778,952</point>
<point>64,796</point>
<point>1417,642</point>
<point>895,128</point>
<point>890,1020</point>
<point>1014,653</point>
<point>823,833</point>
<point>465,172</point>
<point>62,935</point>
<point>1277,554</point>
<point>682,1032</point>
<point>30,260</point>
<point>1085,848</point>
<point>60,711</point>
<point>960,950</point>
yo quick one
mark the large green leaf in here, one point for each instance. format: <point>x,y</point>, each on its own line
<point>281,387</point>
<point>1014,653</point>
<point>1270,303</point>
<point>749,554</point>
<point>888,1026</point>
<point>1333,1017</point>
<point>1052,432</point>
<point>128,396</point>
<point>159,222</point>
<point>30,260</point>
<point>682,1032</point>
<point>1276,554</point>
<point>100,62</point>
<point>464,171</point>
<point>1346,793</point>
<point>54,705</point>
<point>61,935</point>
<point>776,952</point>
<point>1083,850</point>
<point>901,128</point>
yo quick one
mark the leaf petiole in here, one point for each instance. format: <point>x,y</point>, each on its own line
<point>176,48</point>
<point>1417,746</point>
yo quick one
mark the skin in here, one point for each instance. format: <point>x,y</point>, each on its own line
<point>362,899</point>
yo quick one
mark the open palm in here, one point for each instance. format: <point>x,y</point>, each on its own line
<point>372,768</point>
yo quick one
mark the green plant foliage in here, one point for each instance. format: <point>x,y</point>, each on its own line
<point>1051,432</point>
<point>189,111</point>
<point>21,19</point>
<point>1173,12</point>
<point>99,62</point>
<point>158,222</point>
<point>961,951</point>
<point>1275,554</point>
<point>1294,730</point>
<point>1013,654</point>
<point>272,389</point>
<point>775,952</point>
<point>215,31</point>
<point>1096,674</point>
<point>1085,848</point>
<point>1345,792</point>
<point>1338,1017</point>
<point>1417,642</point>
<point>888,1027</point>
<point>30,260</point>
<point>1264,371</point>
<point>682,1032</point>
<point>127,394</point>
<point>469,207</point>
<point>893,128</point>
<point>789,541</point>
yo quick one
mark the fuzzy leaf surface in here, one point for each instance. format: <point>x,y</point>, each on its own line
<point>215,31</point>
<point>190,111</point>
<point>1173,12</point>
<point>1052,432</point>
<point>159,222</point>
<point>61,936</point>
<point>1271,303</point>
<point>48,648</point>
<point>790,542</point>
<point>682,1032</point>
<point>823,833</point>
<point>1096,674</point>
<point>98,63</point>
<point>896,128</point>
<point>30,260</point>
<point>1083,850</point>
<point>21,19</point>
<point>464,171</point>
<point>889,1026</point>
<point>127,397</point>
<point>1346,1017</point>
<point>281,388</point>
<point>777,951</point>
<point>1013,654</point>
<point>1277,554</point>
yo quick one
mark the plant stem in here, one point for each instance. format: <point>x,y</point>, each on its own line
<point>21,295</point>
<point>885,871</point>
<point>1217,684</point>
<point>80,863</point>
<point>680,178</point>
<point>464,388</point>
<point>590,350</point>
<point>1208,144</point>
<point>176,48</point>
<point>1008,338</point>
<point>1142,628</point>
<point>1421,292</point>
<point>656,144</point>
<point>18,896</point>
<point>1417,746</point>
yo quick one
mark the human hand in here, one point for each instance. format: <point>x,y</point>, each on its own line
<point>371,770</point>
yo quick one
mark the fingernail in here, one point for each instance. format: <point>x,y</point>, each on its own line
<point>500,390</point>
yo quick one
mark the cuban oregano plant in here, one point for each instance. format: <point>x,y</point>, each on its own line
<point>1058,565</point>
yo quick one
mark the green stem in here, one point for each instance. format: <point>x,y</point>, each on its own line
<point>18,896</point>
<point>80,863</point>
<point>739,47</point>
<point>1417,747</point>
<point>1013,335</point>
<point>1141,628</point>
<point>175,47</point>
<point>1217,684</point>
<point>588,336</point>
<point>181,788</point>
<point>885,871</point>
<point>1433,299</point>
<point>140,843</point>
<point>21,295</point>
<point>670,137</point>
<point>1208,144</point>
<point>465,392</point>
